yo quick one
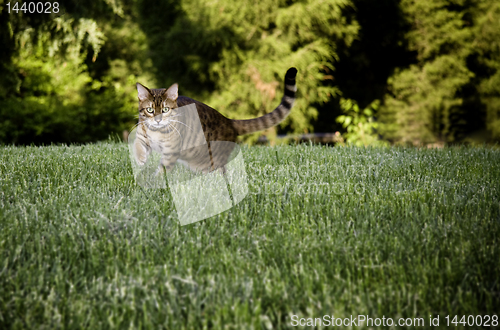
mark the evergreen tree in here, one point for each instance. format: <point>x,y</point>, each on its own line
<point>487,62</point>
<point>435,99</point>
<point>434,64</point>
<point>234,55</point>
<point>63,80</point>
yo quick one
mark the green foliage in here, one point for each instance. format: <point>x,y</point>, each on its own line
<point>362,69</point>
<point>487,46</point>
<point>434,99</point>
<point>64,91</point>
<point>241,53</point>
<point>360,124</point>
<point>435,65</point>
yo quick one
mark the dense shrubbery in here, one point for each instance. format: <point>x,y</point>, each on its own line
<point>69,78</point>
<point>432,65</point>
<point>453,87</point>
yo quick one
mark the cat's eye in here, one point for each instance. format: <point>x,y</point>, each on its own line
<point>166,109</point>
<point>150,110</point>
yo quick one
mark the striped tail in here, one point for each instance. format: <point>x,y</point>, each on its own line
<point>277,115</point>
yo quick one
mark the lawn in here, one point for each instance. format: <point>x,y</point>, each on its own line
<point>392,232</point>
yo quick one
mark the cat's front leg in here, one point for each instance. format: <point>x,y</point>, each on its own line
<point>141,150</point>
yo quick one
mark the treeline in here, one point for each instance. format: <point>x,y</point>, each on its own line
<point>414,72</point>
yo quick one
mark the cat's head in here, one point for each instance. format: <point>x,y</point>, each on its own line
<point>156,105</point>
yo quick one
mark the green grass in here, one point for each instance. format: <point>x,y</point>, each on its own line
<point>396,232</point>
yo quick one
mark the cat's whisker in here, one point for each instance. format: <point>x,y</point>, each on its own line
<point>132,128</point>
<point>136,125</point>
<point>170,125</point>
<point>182,124</point>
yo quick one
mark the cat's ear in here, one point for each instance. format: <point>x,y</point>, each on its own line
<point>142,92</point>
<point>172,92</point>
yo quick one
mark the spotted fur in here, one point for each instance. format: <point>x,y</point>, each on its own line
<point>159,129</point>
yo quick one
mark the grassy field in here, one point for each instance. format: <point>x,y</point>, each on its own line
<point>396,232</point>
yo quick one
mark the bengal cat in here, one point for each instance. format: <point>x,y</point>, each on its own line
<point>166,126</point>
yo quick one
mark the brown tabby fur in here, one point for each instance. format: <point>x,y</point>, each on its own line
<point>159,130</point>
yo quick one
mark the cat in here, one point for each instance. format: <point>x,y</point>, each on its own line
<point>165,126</point>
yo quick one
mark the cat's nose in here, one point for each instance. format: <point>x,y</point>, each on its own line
<point>158,118</point>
